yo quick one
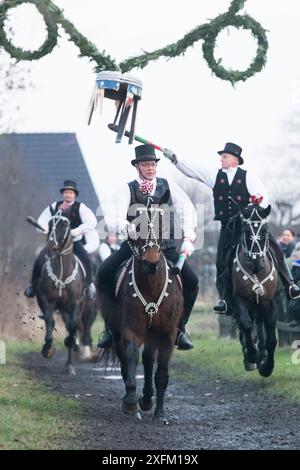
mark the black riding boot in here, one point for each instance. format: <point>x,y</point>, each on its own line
<point>225,304</point>
<point>292,290</point>
<point>30,291</point>
<point>183,339</point>
<point>106,339</point>
<point>80,251</point>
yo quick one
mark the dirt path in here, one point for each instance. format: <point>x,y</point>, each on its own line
<point>208,415</point>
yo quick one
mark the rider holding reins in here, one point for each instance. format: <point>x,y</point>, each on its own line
<point>83,224</point>
<point>119,220</point>
<point>232,187</point>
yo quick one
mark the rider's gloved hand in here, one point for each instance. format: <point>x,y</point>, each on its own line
<point>187,247</point>
<point>170,155</point>
<point>131,230</point>
<point>128,232</point>
<point>75,232</point>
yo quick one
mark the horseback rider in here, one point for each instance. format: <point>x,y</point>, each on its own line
<point>232,187</point>
<point>161,192</point>
<point>83,225</point>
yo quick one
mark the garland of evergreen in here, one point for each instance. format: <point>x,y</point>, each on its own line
<point>53,16</point>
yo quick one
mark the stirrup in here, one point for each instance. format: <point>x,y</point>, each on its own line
<point>290,292</point>
<point>106,339</point>
<point>188,337</point>
<point>221,311</point>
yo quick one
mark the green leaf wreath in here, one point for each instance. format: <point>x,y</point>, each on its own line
<point>53,16</point>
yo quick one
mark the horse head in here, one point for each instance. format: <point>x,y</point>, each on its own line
<point>255,233</point>
<point>58,234</point>
<point>149,238</point>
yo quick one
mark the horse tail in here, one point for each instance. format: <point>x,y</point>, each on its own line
<point>108,358</point>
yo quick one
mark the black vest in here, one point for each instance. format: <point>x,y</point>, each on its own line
<point>225,208</point>
<point>72,214</point>
<point>161,196</point>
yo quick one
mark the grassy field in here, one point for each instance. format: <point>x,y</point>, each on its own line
<point>34,417</point>
<point>223,357</point>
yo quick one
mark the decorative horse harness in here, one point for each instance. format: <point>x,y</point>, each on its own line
<point>59,283</point>
<point>258,286</point>
<point>151,308</point>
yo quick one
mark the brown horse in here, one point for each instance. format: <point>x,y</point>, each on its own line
<point>146,312</point>
<point>255,282</point>
<point>61,287</point>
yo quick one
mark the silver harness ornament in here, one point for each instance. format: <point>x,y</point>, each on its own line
<point>258,286</point>
<point>151,308</point>
<point>59,283</point>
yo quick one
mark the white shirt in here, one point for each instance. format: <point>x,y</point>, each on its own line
<point>105,250</point>
<point>208,174</point>
<point>87,228</point>
<point>116,210</point>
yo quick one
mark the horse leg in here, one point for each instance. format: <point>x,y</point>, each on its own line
<point>266,366</point>
<point>246,324</point>
<point>162,378</point>
<point>71,321</point>
<point>130,400</point>
<point>48,349</point>
<point>87,320</point>
<point>261,337</point>
<point>146,401</point>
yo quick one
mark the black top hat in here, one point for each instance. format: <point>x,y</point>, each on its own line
<point>144,153</point>
<point>69,184</point>
<point>234,150</point>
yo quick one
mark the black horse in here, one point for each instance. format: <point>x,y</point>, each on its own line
<point>147,311</point>
<point>255,282</point>
<point>61,287</point>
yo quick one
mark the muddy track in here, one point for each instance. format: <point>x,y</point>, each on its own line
<point>214,413</point>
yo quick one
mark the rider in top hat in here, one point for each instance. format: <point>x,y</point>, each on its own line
<point>231,185</point>
<point>83,224</point>
<point>164,192</point>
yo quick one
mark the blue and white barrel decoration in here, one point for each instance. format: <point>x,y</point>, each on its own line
<point>126,91</point>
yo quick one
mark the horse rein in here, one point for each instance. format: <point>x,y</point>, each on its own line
<point>151,233</point>
<point>52,236</point>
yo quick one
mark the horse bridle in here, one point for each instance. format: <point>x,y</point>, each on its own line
<point>59,283</point>
<point>258,285</point>
<point>255,236</point>
<point>151,239</point>
<point>52,236</point>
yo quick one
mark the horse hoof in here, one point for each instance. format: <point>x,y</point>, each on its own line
<point>265,370</point>
<point>69,342</point>
<point>70,370</point>
<point>157,419</point>
<point>48,352</point>
<point>145,405</point>
<point>249,366</point>
<point>130,409</point>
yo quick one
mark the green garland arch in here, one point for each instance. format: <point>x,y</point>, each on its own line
<point>53,16</point>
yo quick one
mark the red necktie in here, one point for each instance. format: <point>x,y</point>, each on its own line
<point>146,186</point>
<point>64,206</point>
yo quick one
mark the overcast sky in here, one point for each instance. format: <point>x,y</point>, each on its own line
<point>183,106</point>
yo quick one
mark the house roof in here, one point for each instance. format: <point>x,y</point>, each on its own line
<point>49,159</point>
